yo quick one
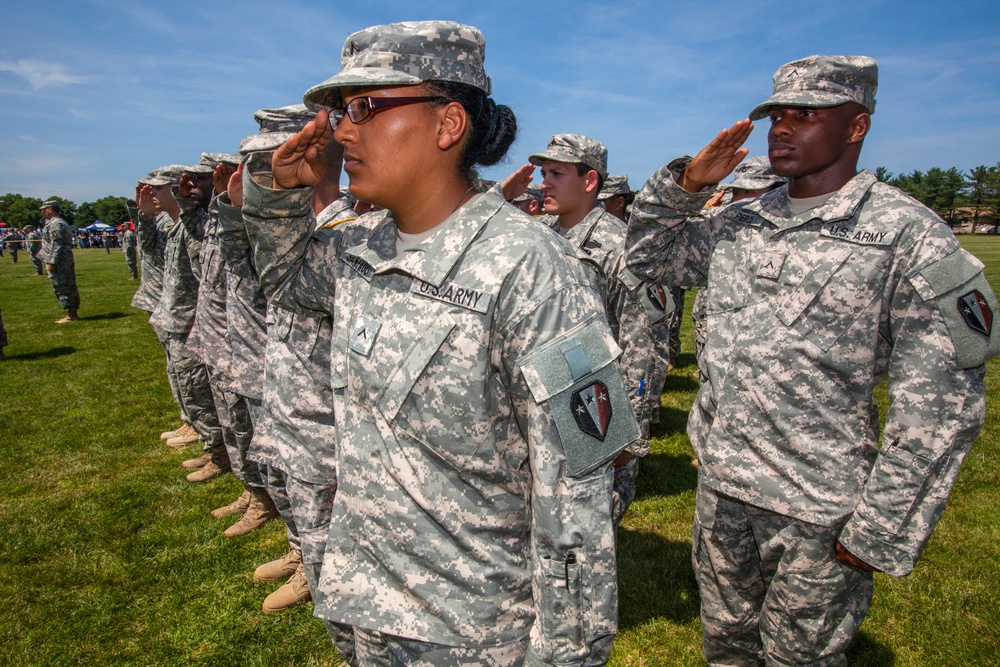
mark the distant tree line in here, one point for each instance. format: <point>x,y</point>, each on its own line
<point>18,211</point>
<point>961,198</point>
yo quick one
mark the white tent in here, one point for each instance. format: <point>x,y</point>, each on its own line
<point>98,227</point>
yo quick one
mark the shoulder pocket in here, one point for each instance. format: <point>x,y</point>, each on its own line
<point>655,300</point>
<point>966,302</point>
<point>578,380</point>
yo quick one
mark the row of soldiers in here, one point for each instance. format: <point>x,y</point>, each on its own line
<point>452,398</point>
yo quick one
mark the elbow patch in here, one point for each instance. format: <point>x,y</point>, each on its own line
<point>966,302</point>
<point>577,378</point>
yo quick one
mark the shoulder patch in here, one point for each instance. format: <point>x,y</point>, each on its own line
<point>577,379</point>
<point>976,312</point>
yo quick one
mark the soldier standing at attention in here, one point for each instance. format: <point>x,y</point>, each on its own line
<point>478,403</point>
<point>57,254</point>
<point>128,249</point>
<point>817,291</point>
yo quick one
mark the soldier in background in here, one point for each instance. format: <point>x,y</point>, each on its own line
<point>817,291</point>
<point>57,254</point>
<point>33,238</point>
<point>616,197</point>
<point>573,171</point>
<point>129,250</point>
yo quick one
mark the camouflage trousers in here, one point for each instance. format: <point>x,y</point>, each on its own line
<point>237,432</point>
<point>772,591</point>
<point>172,380</point>
<point>377,649</point>
<point>195,393</point>
<point>36,261</point>
<point>133,267</point>
<point>623,491</point>
<point>3,333</point>
<point>674,335</point>
<point>698,315</point>
<point>276,484</point>
<point>63,281</point>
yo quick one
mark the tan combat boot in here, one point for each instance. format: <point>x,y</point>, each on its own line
<point>197,463</point>
<point>71,316</point>
<point>218,465</point>
<point>278,570</point>
<point>260,511</point>
<point>166,435</point>
<point>292,592</point>
<point>185,436</point>
<point>238,505</point>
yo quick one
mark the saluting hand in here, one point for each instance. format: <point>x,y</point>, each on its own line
<point>186,185</point>
<point>517,183</point>
<point>220,177</point>
<point>299,161</point>
<point>144,200</point>
<point>718,159</point>
<point>235,187</point>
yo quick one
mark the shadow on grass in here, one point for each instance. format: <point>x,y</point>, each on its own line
<point>44,354</point>
<point>866,651</point>
<point>672,421</point>
<point>106,316</point>
<point>665,475</point>
<point>655,580</point>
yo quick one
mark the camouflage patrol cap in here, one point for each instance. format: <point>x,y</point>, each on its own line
<point>276,127</point>
<point>215,159</point>
<point>169,175</point>
<point>572,149</point>
<point>402,54</point>
<point>823,81</point>
<point>51,203</point>
<point>614,186</point>
<point>206,165</point>
<point>533,192</point>
<point>754,174</point>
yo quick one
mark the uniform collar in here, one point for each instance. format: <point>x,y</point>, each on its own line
<point>432,260</point>
<point>773,206</point>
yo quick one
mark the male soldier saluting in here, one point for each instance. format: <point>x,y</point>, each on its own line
<point>817,290</point>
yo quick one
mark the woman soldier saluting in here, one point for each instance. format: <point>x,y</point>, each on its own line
<point>478,406</point>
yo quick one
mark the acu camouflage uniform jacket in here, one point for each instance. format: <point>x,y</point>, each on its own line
<point>471,507</point>
<point>806,315</point>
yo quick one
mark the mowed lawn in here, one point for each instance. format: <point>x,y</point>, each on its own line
<point>108,557</point>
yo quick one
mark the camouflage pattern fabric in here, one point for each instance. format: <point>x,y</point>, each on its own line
<point>572,149</point>
<point>175,310</point>
<point>823,81</point>
<point>377,649</point>
<point>129,250</point>
<point>34,241</point>
<point>806,314</point>
<point>195,391</point>
<point>237,431</point>
<point>3,333</point>
<point>152,234</point>
<point>210,317</point>
<point>57,249</point>
<point>491,313</point>
<point>405,54</point>
<point>673,327</point>
<point>296,430</point>
<point>771,587</point>
<point>276,484</point>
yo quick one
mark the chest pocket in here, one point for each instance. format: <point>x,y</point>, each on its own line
<point>441,394</point>
<point>730,278</point>
<point>832,296</point>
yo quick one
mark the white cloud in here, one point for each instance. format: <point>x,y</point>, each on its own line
<point>40,74</point>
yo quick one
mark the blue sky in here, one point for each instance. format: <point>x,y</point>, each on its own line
<point>94,94</point>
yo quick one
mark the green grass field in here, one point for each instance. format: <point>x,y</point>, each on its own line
<point>108,557</point>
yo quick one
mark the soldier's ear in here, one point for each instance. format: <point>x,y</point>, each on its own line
<point>859,128</point>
